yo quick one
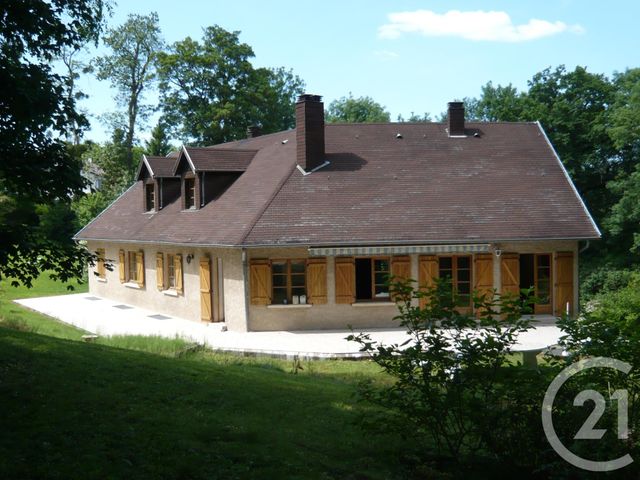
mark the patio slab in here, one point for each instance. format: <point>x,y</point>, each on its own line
<point>105,317</point>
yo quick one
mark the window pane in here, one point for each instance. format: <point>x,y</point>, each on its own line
<point>279,295</point>
<point>279,280</point>
<point>279,267</point>
<point>543,260</point>
<point>298,291</point>
<point>445,263</point>
<point>464,275</point>
<point>543,274</point>
<point>297,280</point>
<point>463,262</point>
<point>381,278</point>
<point>297,266</point>
<point>381,265</point>
<point>464,288</point>
<point>382,291</point>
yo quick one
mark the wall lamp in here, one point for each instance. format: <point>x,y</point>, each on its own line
<point>189,257</point>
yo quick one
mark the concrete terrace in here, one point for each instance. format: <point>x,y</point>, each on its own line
<point>107,318</point>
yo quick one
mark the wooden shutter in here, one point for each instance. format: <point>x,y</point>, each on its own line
<point>160,271</point>
<point>510,273</point>
<point>177,271</point>
<point>140,268</point>
<point>345,279</point>
<point>483,270</point>
<point>427,272</point>
<point>564,283</point>
<point>401,268</point>
<point>317,280</point>
<point>121,266</point>
<point>260,282</point>
<point>205,289</point>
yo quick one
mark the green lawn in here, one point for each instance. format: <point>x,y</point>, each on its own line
<point>72,409</point>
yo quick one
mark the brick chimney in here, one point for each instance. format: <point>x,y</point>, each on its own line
<point>254,131</point>
<point>310,131</point>
<point>456,119</point>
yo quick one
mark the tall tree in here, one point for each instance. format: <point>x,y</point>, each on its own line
<point>210,91</point>
<point>131,68</point>
<point>356,110</point>
<point>158,144</point>
<point>496,103</point>
<point>37,172</point>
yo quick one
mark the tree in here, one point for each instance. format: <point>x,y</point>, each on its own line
<point>499,103</point>
<point>211,93</point>
<point>74,67</point>
<point>356,110</point>
<point>37,171</point>
<point>415,118</point>
<point>131,69</point>
<point>158,144</point>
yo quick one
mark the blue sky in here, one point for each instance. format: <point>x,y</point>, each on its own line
<point>410,56</point>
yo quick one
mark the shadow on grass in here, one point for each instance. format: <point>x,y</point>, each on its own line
<point>79,410</point>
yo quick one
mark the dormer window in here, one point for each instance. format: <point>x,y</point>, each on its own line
<point>150,197</point>
<point>189,193</point>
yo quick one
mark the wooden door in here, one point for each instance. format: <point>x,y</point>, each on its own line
<point>563,291</point>
<point>205,289</point>
<point>543,276</point>
<point>510,273</point>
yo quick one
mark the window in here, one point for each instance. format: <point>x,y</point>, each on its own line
<point>133,267</point>
<point>458,270</point>
<point>150,197</point>
<point>100,267</point>
<point>372,275</point>
<point>171,271</point>
<point>189,193</point>
<point>288,278</point>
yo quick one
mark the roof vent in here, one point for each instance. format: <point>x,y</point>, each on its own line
<point>398,135</point>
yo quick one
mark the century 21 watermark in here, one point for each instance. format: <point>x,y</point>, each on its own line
<point>588,430</point>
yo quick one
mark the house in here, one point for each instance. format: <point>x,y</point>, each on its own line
<point>299,229</point>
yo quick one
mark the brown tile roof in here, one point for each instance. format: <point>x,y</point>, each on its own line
<point>161,166</point>
<point>212,159</point>
<point>505,184</point>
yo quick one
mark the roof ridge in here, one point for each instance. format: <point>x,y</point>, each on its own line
<point>252,138</point>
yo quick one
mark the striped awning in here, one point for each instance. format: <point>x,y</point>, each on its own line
<point>398,250</point>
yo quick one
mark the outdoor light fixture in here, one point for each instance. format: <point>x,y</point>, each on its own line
<point>189,257</point>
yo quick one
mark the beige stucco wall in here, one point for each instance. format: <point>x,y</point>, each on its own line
<point>316,317</point>
<point>186,305</point>
<point>371,314</point>
<point>290,317</point>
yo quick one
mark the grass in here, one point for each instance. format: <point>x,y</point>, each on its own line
<point>145,407</point>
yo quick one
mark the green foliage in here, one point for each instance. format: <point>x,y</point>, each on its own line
<point>495,104</point>
<point>36,112</point>
<point>356,110</point>
<point>415,118</point>
<point>453,392</point>
<point>158,144</point>
<point>211,93</point>
<point>131,69</point>
<point>604,279</point>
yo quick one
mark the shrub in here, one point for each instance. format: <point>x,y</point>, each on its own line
<point>455,392</point>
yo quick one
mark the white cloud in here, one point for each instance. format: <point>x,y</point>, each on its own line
<point>386,55</point>
<point>477,26</point>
